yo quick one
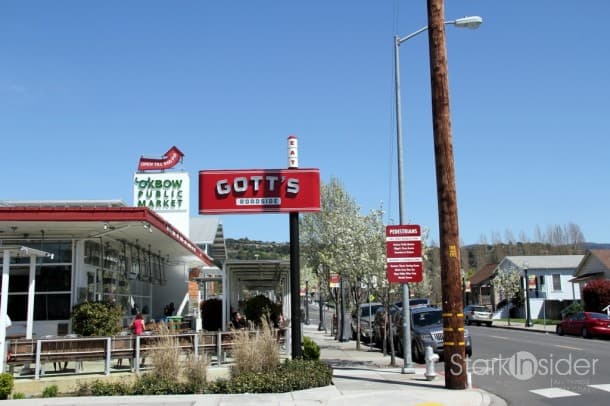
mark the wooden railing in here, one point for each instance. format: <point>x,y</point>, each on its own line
<point>78,349</point>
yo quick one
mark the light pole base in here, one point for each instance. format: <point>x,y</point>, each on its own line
<point>407,369</point>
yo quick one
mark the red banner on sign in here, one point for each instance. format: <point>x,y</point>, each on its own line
<point>259,191</point>
<point>169,160</point>
<point>405,272</point>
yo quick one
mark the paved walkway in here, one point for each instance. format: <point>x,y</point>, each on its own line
<point>360,377</point>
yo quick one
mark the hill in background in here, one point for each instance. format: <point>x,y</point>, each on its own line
<point>244,248</point>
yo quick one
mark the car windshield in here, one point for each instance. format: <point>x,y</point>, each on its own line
<point>426,318</point>
<point>364,310</point>
<point>601,316</point>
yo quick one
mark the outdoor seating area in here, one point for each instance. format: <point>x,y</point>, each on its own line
<point>27,357</point>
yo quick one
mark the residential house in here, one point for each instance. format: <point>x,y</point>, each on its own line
<point>594,265</point>
<point>481,287</point>
<point>549,284</point>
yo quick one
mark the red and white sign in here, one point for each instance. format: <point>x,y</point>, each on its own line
<point>259,191</point>
<point>404,253</point>
<point>169,160</point>
<point>334,280</point>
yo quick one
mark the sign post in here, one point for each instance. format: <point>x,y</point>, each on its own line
<point>404,265</point>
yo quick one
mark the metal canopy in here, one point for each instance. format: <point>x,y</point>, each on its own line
<point>119,223</point>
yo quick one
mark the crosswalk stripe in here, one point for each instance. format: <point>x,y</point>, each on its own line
<point>605,386</point>
<point>554,393</point>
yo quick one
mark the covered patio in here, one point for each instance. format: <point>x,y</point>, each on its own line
<point>243,279</point>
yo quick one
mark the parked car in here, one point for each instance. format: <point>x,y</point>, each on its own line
<point>586,324</point>
<point>415,302</point>
<point>427,330</point>
<point>478,314</point>
<point>366,327</point>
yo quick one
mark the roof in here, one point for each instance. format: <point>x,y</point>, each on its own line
<point>545,261</point>
<point>69,220</point>
<point>602,255</point>
<point>483,274</point>
<point>207,231</point>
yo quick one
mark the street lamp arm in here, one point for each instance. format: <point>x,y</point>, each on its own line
<point>413,34</point>
<point>464,22</point>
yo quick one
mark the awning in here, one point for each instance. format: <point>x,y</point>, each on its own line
<point>587,277</point>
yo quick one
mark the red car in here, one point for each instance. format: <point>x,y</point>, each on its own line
<point>587,324</point>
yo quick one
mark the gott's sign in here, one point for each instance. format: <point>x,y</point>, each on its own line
<point>259,190</point>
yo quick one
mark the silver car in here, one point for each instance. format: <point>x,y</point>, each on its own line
<point>478,314</point>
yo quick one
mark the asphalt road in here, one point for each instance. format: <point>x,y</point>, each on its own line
<point>532,368</point>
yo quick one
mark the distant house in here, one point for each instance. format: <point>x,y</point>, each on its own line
<point>594,265</point>
<point>480,286</point>
<point>549,281</point>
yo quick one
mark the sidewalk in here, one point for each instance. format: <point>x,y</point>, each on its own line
<point>359,378</point>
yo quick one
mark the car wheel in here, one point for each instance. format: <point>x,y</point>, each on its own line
<point>585,333</point>
<point>559,330</point>
<point>416,353</point>
<point>489,324</point>
<point>468,322</point>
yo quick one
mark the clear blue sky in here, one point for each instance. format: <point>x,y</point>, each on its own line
<point>86,88</point>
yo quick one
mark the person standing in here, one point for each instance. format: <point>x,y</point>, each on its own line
<point>138,327</point>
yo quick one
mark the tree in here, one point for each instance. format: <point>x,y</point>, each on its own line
<point>339,239</point>
<point>508,283</point>
<point>96,318</point>
<point>329,242</point>
<point>596,295</point>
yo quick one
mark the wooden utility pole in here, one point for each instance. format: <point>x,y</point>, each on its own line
<point>453,318</point>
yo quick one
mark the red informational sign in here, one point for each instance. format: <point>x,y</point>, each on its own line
<point>259,191</point>
<point>169,160</point>
<point>531,282</point>
<point>404,253</point>
<point>334,281</point>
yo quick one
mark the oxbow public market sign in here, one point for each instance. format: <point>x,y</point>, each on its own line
<point>160,192</point>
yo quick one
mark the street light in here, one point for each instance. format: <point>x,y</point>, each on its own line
<point>528,316</point>
<point>464,22</point>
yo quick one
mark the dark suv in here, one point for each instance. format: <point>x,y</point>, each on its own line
<point>426,330</point>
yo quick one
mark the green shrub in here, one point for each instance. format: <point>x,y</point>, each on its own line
<point>290,376</point>
<point>103,388</point>
<point>18,395</point>
<point>152,384</point>
<point>311,350</point>
<point>6,385</point>
<point>211,314</point>
<point>96,318</point>
<point>259,306</point>
<point>573,308</point>
<point>50,391</point>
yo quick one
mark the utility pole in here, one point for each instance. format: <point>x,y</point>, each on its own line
<point>453,317</point>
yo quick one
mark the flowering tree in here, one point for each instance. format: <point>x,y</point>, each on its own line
<point>508,284</point>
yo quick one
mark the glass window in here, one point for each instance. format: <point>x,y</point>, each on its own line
<point>556,282</point>
<point>46,307</point>
<point>53,279</point>
<point>427,318</point>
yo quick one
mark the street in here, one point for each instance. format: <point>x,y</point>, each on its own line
<point>532,368</point>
